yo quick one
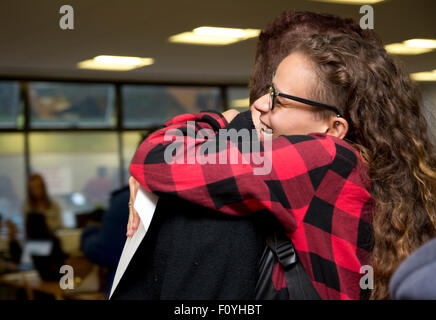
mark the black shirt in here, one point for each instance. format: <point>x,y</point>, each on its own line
<point>191,252</point>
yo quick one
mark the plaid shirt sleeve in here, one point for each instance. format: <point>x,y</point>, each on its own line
<point>232,187</point>
<point>315,188</point>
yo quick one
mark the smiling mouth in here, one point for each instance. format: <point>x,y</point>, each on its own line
<point>265,129</point>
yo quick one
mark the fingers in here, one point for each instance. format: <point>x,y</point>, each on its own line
<point>134,219</point>
<point>129,223</point>
<point>230,114</point>
<point>133,223</point>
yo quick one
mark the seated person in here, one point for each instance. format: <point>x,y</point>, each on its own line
<point>38,200</point>
<point>37,229</point>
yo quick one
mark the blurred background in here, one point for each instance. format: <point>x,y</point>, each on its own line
<point>70,123</point>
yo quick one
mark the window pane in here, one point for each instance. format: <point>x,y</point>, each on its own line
<point>149,106</point>
<point>429,98</point>
<point>12,177</point>
<point>238,98</point>
<point>10,104</point>
<point>130,144</point>
<point>80,169</point>
<point>71,105</point>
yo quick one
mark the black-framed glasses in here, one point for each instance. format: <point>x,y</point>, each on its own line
<point>274,93</point>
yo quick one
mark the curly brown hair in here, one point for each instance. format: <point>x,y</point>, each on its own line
<point>277,39</point>
<point>383,109</point>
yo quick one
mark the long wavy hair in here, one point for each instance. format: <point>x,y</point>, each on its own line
<point>32,200</point>
<point>387,126</point>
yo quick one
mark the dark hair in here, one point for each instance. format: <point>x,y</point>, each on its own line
<point>278,38</point>
<point>388,128</point>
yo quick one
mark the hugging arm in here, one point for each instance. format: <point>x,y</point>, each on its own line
<point>170,161</point>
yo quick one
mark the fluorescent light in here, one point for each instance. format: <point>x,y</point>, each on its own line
<point>424,76</point>
<point>127,61</point>
<point>192,38</point>
<point>240,103</point>
<point>115,63</point>
<point>219,32</point>
<point>421,43</point>
<point>412,46</point>
<point>351,1</point>
<point>401,48</point>
<point>214,36</point>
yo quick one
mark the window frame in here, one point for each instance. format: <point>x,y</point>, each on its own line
<point>118,128</point>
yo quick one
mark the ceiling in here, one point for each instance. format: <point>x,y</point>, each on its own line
<point>34,46</point>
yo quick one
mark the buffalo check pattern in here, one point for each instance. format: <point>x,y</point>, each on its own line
<point>317,189</point>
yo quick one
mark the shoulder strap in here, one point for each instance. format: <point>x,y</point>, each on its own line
<point>299,285</point>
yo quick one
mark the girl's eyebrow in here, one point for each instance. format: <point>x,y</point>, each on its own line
<point>286,103</point>
<point>278,98</point>
<point>279,91</point>
<point>282,101</point>
<point>289,102</point>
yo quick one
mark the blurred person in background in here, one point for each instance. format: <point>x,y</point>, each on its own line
<point>13,243</point>
<point>415,277</point>
<point>97,189</point>
<point>103,244</point>
<point>10,256</point>
<point>38,200</point>
<point>37,228</point>
<point>9,202</point>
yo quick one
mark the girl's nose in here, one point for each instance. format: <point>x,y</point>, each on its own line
<point>263,103</point>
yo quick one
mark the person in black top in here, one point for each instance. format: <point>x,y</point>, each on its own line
<point>192,254</point>
<point>37,229</point>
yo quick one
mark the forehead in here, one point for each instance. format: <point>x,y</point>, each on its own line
<point>295,75</point>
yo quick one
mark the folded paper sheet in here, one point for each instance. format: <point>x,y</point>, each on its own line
<point>145,204</point>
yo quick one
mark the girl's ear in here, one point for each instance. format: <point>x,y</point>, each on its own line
<point>337,127</point>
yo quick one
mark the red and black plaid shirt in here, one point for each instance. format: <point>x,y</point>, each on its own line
<point>316,188</point>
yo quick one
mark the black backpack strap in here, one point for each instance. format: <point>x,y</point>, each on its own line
<point>299,285</point>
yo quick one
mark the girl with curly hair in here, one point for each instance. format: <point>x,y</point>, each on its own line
<point>353,170</point>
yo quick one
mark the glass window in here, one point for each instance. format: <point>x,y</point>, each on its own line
<point>80,169</point>
<point>12,177</point>
<point>429,98</point>
<point>150,106</point>
<point>238,98</point>
<point>81,105</point>
<point>131,140</point>
<point>10,105</point>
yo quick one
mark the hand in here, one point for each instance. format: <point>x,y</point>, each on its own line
<point>230,114</point>
<point>133,223</point>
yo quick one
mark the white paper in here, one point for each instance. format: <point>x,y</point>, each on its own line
<point>145,205</point>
